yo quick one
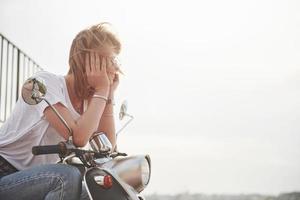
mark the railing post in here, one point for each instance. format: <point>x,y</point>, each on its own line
<point>18,75</point>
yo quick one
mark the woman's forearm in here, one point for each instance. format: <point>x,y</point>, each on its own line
<point>107,124</point>
<point>88,122</point>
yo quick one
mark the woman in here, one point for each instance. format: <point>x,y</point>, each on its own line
<point>84,97</point>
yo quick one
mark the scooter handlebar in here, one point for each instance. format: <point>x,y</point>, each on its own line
<point>59,148</point>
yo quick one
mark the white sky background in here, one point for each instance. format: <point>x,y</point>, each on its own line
<point>214,85</point>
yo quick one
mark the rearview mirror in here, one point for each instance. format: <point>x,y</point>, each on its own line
<point>122,114</point>
<point>123,110</point>
<point>33,91</point>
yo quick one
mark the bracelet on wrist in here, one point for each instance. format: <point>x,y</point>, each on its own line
<point>108,115</point>
<point>100,97</point>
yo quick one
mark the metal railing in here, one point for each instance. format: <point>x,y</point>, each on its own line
<point>15,68</point>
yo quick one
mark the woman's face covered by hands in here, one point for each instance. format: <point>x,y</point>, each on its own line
<point>112,68</point>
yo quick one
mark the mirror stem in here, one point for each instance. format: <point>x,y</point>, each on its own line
<point>131,118</point>
<point>61,118</point>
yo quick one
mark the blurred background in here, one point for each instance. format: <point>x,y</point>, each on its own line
<point>214,86</point>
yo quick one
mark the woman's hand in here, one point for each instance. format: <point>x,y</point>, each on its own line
<point>97,77</point>
<point>115,83</point>
<point>113,77</point>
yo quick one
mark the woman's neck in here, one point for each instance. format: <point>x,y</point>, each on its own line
<point>76,102</point>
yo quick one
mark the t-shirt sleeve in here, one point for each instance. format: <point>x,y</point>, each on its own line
<point>54,92</point>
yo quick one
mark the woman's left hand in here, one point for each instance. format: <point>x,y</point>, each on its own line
<point>113,88</point>
<point>115,84</point>
<point>113,77</point>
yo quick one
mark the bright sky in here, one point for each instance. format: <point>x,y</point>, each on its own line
<point>214,85</point>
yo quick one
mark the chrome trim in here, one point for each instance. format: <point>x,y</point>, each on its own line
<point>99,179</point>
<point>70,131</point>
<point>149,162</point>
<point>86,186</point>
<point>65,160</point>
<point>100,143</point>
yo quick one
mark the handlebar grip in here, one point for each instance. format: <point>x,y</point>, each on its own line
<point>59,148</point>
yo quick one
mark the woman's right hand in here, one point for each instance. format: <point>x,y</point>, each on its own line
<point>97,77</point>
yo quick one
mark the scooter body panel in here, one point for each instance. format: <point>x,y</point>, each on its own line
<point>98,192</point>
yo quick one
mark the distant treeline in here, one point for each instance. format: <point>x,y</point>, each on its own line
<point>187,196</point>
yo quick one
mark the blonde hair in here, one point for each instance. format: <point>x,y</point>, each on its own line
<point>100,37</point>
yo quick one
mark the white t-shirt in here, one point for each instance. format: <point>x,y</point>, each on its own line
<point>26,127</point>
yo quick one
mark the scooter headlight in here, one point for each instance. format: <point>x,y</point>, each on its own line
<point>134,170</point>
<point>145,171</point>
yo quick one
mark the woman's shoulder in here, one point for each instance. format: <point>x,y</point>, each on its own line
<point>45,74</point>
<point>53,82</point>
<point>48,77</point>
